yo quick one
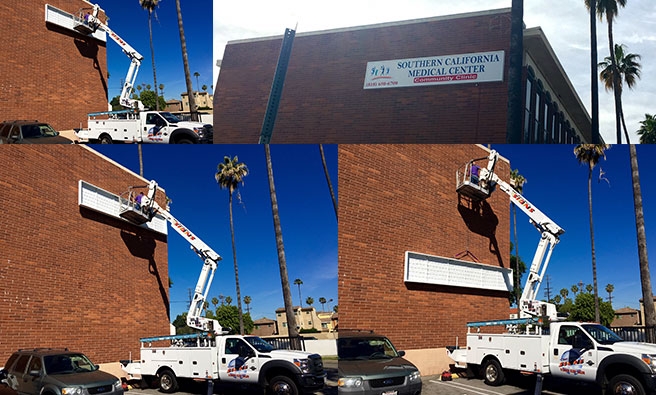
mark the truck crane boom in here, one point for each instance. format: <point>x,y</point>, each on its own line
<point>486,182</point>
<point>88,23</point>
<point>147,210</point>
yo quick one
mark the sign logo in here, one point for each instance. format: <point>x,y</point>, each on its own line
<point>435,70</point>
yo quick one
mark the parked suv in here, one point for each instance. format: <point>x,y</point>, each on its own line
<point>30,132</point>
<point>57,372</point>
<point>369,364</point>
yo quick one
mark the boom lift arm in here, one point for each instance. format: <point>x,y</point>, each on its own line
<point>90,23</point>
<point>149,208</point>
<point>550,233</point>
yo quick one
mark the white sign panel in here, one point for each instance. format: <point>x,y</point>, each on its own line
<point>429,269</point>
<point>435,70</point>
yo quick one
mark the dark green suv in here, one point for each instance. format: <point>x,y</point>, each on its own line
<point>57,372</point>
<point>369,364</point>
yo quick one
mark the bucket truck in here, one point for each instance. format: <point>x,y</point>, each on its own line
<point>578,351</point>
<point>212,353</point>
<point>133,124</point>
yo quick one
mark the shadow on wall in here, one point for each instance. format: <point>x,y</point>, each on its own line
<point>144,247</point>
<point>138,245</point>
<point>88,48</point>
<point>480,219</point>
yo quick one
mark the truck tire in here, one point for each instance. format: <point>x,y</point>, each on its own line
<point>493,373</point>
<point>624,384</point>
<point>168,383</point>
<point>105,139</point>
<point>184,141</point>
<point>282,385</point>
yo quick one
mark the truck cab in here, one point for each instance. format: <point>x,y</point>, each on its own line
<point>163,126</point>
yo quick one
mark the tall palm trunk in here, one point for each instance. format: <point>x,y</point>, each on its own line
<point>234,257</point>
<point>140,151</point>
<point>645,276</point>
<point>616,81</point>
<point>515,64</point>
<point>185,62</point>
<point>152,55</point>
<point>592,247</point>
<point>330,185</point>
<point>282,261</point>
<point>594,85</point>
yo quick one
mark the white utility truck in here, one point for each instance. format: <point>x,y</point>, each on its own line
<point>133,124</point>
<point>579,351</point>
<point>212,354</point>
<point>143,127</point>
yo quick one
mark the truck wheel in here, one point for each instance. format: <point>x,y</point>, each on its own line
<point>492,373</point>
<point>184,141</point>
<point>282,385</point>
<point>167,382</point>
<point>625,384</point>
<point>105,139</point>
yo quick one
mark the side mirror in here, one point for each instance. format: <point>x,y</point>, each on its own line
<point>401,353</point>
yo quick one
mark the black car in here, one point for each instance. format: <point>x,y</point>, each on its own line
<point>45,371</point>
<point>369,364</point>
<point>29,132</point>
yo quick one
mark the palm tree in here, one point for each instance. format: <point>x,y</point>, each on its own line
<point>564,293</point>
<point>628,70</point>
<point>517,181</point>
<point>215,301</point>
<point>574,289</point>
<point>197,74</point>
<point>229,175</point>
<point>610,288</point>
<point>282,261</point>
<point>185,62</point>
<point>590,154</point>
<point>161,89</point>
<point>647,131</point>
<point>204,88</point>
<point>228,300</point>
<point>247,301</point>
<point>322,300</point>
<point>588,288</point>
<point>309,301</point>
<point>330,185</point>
<point>299,282</point>
<point>610,8</point>
<point>617,69</point>
<point>150,5</point>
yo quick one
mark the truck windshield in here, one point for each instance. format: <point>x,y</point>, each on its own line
<point>602,334</point>
<point>260,344</point>
<point>365,348</point>
<point>169,117</point>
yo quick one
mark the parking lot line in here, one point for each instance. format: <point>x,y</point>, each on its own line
<point>468,388</point>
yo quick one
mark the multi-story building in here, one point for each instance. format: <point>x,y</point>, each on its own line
<point>74,274</point>
<point>49,72</point>
<point>435,80</point>
<point>418,261</point>
<point>306,318</point>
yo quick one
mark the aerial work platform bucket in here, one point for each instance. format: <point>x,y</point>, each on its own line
<point>130,210</point>
<point>82,24</point>
<point>467,182</point>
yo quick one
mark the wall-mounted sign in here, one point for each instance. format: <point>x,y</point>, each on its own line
<point>438,270</point>
<point>435,70</point>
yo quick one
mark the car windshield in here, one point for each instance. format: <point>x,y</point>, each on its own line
<point>68,363</point>
<point>260,344</point>
<point>170,117</point>
<point>602,334</point>
<point>38,130</point>
<point>365,348</point>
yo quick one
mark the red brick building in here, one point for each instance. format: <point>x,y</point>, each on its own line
<point>71,276</point>
<point>47,72</point>
<point>445,81</point>
<point>396,199</point>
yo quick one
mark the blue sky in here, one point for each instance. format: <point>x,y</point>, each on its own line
<point>306,212</point>
<point>557,185</point>
<point>130,22</point>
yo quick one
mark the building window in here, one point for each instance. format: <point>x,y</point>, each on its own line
<point>310,323</point>
<point>284,324</point>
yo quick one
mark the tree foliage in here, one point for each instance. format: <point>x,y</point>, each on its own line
<point>147,97</point>
<point>647,131</point>
<point>584,309</point>
<point>228,317</point>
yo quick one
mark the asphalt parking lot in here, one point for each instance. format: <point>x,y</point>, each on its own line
<point>432,385</point>
<point>200,388</point>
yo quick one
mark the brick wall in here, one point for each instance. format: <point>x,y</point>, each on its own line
<point>46,72</point>
<point>398,198</point>
<point>324,100</point>
<point>70,277</point>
